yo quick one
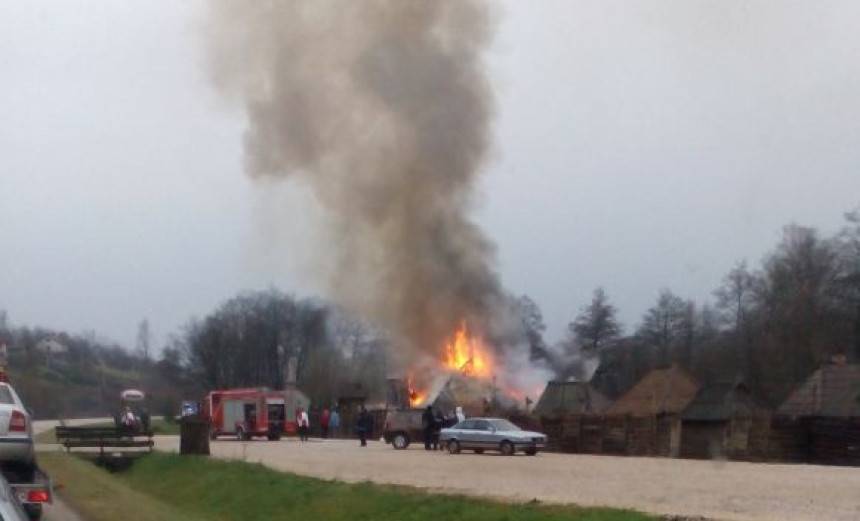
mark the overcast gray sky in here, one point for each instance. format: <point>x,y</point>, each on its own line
<point>639,145</point>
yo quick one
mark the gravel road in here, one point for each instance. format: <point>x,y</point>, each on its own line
<point>716,490</point>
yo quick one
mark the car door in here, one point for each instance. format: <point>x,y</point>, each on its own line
<point>466,433</point>
<point>484,435</point>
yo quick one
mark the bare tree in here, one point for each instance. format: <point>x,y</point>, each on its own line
<point>664,324</point>
<point>848,247</point>
<point>737,301</point>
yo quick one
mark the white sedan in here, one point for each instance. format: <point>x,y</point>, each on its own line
<point>480,434</point>
<point>16,434</point>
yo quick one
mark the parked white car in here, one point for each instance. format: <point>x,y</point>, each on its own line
<point>16,433</point>
<point>480,434</point>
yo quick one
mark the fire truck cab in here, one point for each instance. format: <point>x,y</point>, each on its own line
<point>246,413</point>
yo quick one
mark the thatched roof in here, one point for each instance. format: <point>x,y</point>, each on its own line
<point>721,401</point>
<point>476,396</point>
<point>662,391</point>
<point>832,391</point>
<point>570,398</point>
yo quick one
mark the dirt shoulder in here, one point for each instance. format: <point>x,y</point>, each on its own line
<point>715,490</point>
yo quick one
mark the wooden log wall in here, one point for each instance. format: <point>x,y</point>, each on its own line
<point>835,441</point>
<point>766,438</point>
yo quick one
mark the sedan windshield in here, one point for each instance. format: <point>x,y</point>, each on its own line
<point>503,425</point>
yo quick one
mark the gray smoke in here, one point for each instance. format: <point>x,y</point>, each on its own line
<point>383,109</point>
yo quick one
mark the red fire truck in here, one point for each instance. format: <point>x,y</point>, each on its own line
<point>246,413</point>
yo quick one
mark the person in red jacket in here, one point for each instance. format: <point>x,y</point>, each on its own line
<point>324,418</point>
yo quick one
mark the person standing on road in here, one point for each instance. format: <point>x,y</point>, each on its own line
<point>325,418</point>
<point>334,423</point>
<point>363,425</point>
<point>428,421</point>
<point>438,425</point>
<point>304,424</point>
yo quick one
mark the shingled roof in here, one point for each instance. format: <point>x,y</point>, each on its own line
<point>662,391</point>
<point>570,398</point>
<point>721,401</point>
<point>832,391</point>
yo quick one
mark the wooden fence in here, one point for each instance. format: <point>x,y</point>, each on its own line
<point>618,435</point>
<point>829,441</point>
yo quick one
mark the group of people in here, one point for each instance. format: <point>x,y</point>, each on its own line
<point>330,424</point>
<point>433,423</point>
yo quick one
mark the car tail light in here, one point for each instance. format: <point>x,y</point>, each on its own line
<point>37,496</point>
<point>18,422</point>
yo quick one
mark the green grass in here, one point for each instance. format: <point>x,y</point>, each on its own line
<point>100,496</point>
<point>226,491</point>
<point>169,486</point>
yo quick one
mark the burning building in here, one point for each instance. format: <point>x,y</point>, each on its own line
<point>464,377</point>
<point>380,112</point>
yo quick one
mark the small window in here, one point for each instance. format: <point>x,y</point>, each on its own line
<point>467,425</point>
<point>6,396</point>
<point>482,425</point>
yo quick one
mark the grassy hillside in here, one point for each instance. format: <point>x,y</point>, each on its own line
<point>163,486</point>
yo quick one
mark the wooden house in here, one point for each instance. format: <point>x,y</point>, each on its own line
<point>565,398</point>
<point>717,423</point>
<point>660,397</point>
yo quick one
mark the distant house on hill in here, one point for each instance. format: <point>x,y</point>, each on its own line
<point>564,398</point>
<point>662,391</point>
<point>833,391</point>
<point>51,346</point>
<point>717,422</point>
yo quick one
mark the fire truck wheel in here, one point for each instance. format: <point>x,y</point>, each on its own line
<point>400,441</point>
<point>507,448</point>
<point>274,437</point>
<point>479,451</point>
<point>454,447</point>
<point>242,434</point>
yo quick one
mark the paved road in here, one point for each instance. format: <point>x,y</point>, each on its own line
<point>716,490</point>
<point>40,426</point>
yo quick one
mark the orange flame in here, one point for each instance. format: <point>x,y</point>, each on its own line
<point>467,355</point>
<point>417,398</point>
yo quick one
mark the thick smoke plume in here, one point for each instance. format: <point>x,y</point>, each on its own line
<point>383,109</point>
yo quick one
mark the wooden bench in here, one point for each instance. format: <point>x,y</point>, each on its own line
<point>112,438</point>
